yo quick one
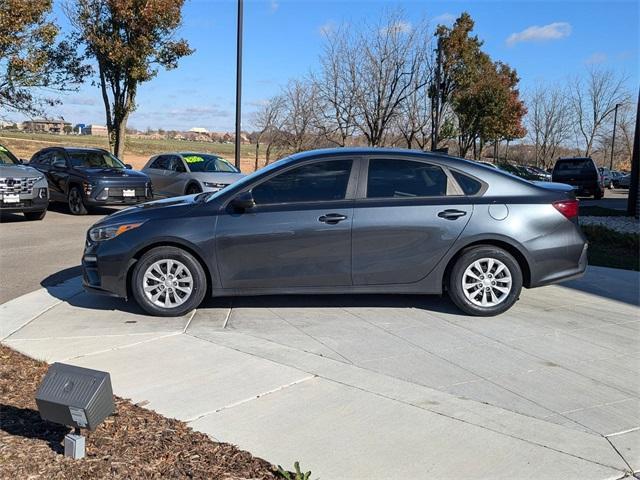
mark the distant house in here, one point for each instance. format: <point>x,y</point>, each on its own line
<point>44,125</point>
<point>97,130</point>
<point>198,130</point>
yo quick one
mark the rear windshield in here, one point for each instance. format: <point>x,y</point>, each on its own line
<point>574,167</point>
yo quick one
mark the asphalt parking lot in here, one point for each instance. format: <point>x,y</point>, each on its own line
<point>47,251</point>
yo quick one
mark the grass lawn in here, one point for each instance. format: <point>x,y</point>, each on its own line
<point>137,150</point>
<point>608,248</point>
<point>134,443</point>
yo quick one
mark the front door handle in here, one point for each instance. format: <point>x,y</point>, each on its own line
<point>451,214</point>
<point>332,218</point>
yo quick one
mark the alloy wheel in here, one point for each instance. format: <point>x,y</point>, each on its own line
<point>486,282</point>
<point>167,283</point>
<point>74,201</point>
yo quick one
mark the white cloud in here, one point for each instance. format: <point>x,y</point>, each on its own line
<point>327,28</point>
<point>444,19</point>
<point>400,27</point>
<point>536,33</point>
<point>596,58</point>
<point>273,6</point>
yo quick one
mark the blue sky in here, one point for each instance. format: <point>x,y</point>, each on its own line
<point>545,41</point>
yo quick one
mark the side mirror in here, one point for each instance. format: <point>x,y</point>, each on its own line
<point>128,165</point>
<point>244,201</point>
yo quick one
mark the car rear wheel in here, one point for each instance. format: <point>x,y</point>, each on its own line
<point>193,189</point>
<point>485,281</point>
<point>168,282</point>
<point>75,201</point>
<point>35,215</point>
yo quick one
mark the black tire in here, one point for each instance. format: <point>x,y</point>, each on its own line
<point>468,257</point>
<point>598,195</point>
<point>35,215</point>
<point>193,189</point>
<point>195,270</point>
<point>76,202</point>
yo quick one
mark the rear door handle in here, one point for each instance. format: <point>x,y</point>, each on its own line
<point>451,214</point>
<point>332,218</point>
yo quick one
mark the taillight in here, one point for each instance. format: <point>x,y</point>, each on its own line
<point>569,208</point>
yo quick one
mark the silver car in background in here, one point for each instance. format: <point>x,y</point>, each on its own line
<point>188,173</point>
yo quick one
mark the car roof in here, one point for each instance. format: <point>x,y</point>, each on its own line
<point>384,151</point>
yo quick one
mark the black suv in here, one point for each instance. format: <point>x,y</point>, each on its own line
<point>90,177</point>
<point>581,173</point>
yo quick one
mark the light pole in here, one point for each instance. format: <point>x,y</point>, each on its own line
<point>238,82</point>
<point>613,140</point>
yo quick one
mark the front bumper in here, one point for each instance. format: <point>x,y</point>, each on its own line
<point>36,204</point>
<point>105,268</point>
<point>105,194</point>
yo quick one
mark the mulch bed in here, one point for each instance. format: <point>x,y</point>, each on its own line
<point>134,443</point>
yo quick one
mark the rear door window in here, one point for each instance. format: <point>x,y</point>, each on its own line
<point>392,178</point>
<point>469,186</point>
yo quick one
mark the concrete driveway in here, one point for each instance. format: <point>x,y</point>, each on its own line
<point>375,386</point>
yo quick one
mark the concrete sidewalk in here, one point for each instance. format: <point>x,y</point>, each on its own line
<point>375,387</point>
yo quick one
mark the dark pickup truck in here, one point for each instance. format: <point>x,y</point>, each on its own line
<point>581,173</point>
<point>90,177</point>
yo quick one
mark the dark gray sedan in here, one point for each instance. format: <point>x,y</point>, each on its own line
<point>345,221</point>
<point>188,173</point>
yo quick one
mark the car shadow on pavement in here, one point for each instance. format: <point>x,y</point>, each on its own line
<point>432,303</point>
<point>26,422</point>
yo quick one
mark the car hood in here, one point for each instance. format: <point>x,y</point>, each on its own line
<point>165,208</point>
<point>18,171</point>
<point>113,173</point>
<point>556,187</point>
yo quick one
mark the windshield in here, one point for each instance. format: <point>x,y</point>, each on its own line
<point>94,159</point>
<point>7,158</point>
<point>208,163</point>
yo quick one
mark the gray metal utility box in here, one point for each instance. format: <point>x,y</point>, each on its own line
<point>75,396</point>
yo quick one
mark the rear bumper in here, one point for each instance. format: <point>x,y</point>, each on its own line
<point>568,274</point>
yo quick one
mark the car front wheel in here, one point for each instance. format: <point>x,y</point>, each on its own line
<point>485,281</point>
<point>193,189</point>
<point>75,201</point>
<point>168,282</point>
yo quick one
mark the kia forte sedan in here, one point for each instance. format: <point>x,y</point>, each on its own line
<point>344,221</point>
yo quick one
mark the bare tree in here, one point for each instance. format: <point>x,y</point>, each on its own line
<point>548,122</point>
<point>268,120</point>
<point>414,120</point>
<point>335,86</point>
<point>388,61</point>
<point>623,146</point>
<point>592,100</point>
<point>299,98</point>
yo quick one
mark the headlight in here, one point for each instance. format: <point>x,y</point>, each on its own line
<point>107,232</point>
<point>215,185</point>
